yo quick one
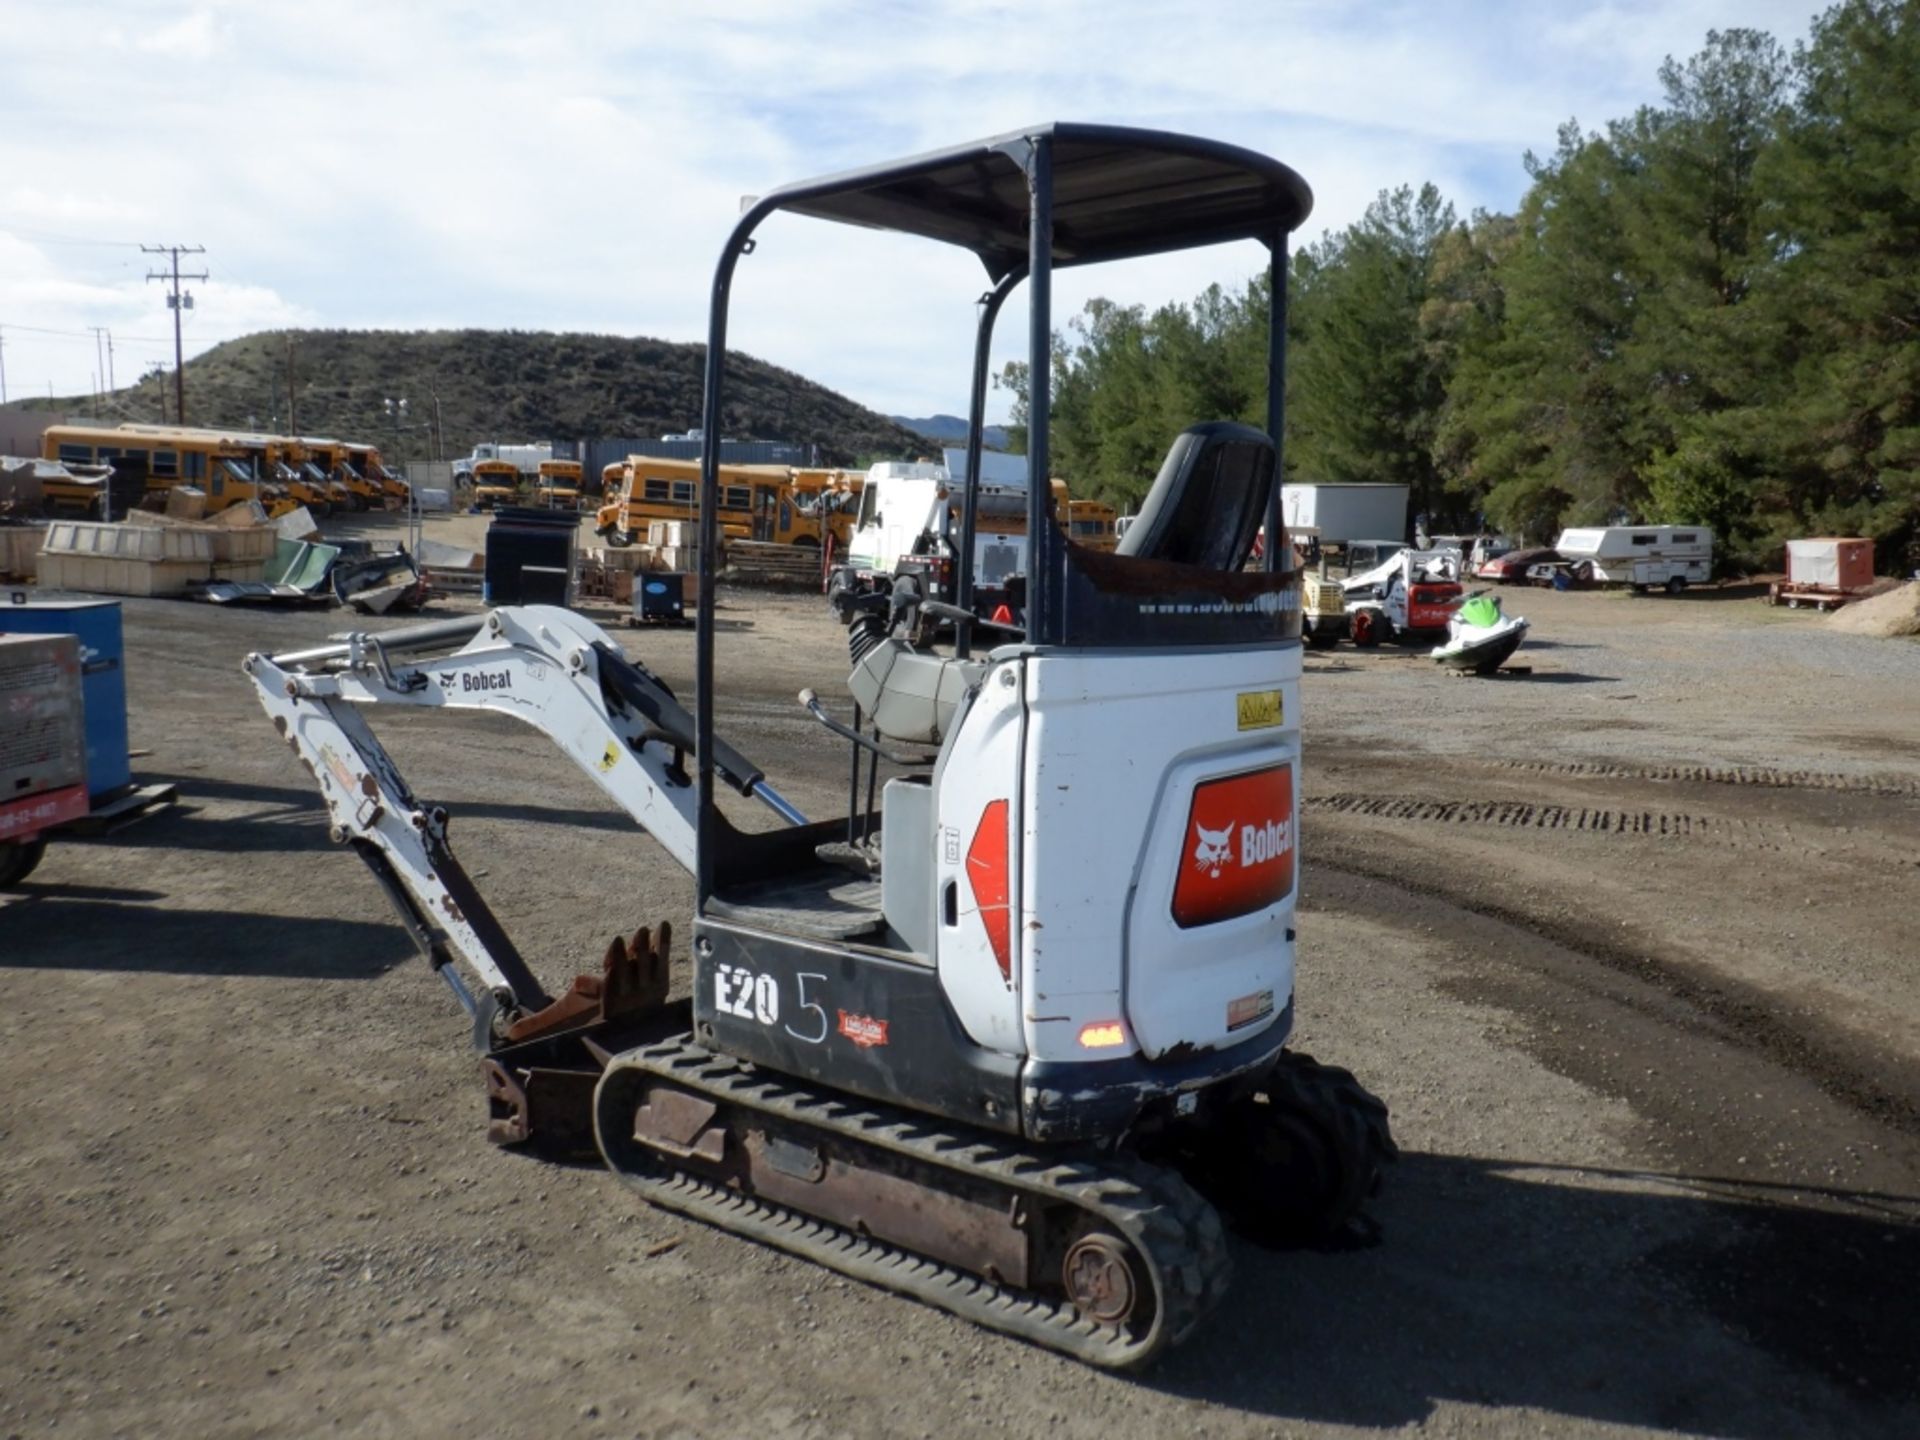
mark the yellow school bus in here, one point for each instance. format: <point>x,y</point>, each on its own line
<point>815,507</point>
<point>347,465</point>
<point>218,462</point>
<point>383,486</point>
<point>283,464</point>
<point>557,486</point>
<point>777,504</point>
<point>495,482</point>
<point>653,487</point>
<point>1090,523</point>
<point>322,478</point>
<point>78,496</point>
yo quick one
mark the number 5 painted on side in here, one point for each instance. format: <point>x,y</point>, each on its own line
<point>806,1004</point>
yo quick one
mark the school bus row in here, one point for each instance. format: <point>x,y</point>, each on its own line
<point>780,504</point>
<point>230,466</point>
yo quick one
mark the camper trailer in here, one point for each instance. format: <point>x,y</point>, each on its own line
<point>1670,557</point>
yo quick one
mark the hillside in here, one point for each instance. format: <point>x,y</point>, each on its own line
<point>494,384</point>
<point>951,430</point>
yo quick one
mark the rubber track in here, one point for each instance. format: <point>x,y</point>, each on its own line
<point>1175,1231</point>
<point>1528,815</point>
<point>1719,775</point>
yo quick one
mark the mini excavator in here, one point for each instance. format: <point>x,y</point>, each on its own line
<point>1013,1038</point>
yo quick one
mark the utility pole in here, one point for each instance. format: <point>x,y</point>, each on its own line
<point>99,364</point>
<point>175,302</point>
<point>105,358</point>
<point>293,426</point>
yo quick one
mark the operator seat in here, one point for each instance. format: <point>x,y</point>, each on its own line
<point>1209,499</point>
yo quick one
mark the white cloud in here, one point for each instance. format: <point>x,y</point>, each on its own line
<point>482,162</point>
<point>194,36</point>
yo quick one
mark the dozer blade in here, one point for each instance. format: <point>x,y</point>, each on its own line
<point>1108,1260</point>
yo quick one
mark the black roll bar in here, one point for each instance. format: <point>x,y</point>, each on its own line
<point>1276,390</point>
<point>990,304</point>
<point>1040,579</point>
<point>871,196</point>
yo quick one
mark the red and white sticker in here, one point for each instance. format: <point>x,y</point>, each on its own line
<point>1249,1008</point>
<point>863,1030</point>
<point>1238,854</point>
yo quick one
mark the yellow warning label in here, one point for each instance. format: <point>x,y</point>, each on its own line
<point>610,758</point>
<point>1259,709</point>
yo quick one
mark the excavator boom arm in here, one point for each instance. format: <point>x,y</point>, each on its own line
<point>544,666</point>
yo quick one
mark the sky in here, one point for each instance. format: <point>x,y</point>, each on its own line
<point>576,164</point>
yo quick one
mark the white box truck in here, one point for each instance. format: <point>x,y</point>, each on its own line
<point>1346,512</point>
<point>1670,557</point>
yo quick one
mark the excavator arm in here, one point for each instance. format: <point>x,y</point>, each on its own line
<point>543,666</point>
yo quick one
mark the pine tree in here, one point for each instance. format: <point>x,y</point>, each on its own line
<point>1846,177</point>
<point>1367,389</point>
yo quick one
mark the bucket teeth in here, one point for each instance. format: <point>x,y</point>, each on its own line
<point>633,981</point>
<point>638,971</point>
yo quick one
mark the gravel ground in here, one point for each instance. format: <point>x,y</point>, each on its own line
<point>1627,944</point>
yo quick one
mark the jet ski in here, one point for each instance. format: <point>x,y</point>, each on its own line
<point>1480,639</point>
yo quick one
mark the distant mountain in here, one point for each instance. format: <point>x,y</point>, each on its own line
<point>951,430</point>
<point>511,385</point>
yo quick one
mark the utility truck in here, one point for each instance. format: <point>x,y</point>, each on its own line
<point>906,532</point>
<point>524,458</point>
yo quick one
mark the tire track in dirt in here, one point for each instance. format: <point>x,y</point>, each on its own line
<point>1578,953</point>
<point>1530,815</point>
<point>1719,1071</point>
<point>1899,785</point>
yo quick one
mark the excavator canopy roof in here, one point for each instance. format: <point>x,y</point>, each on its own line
<point>1117,192</point>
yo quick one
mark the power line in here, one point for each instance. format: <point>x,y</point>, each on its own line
<point>174,303</point>
<point>119,339</point>
<point>43,237</point>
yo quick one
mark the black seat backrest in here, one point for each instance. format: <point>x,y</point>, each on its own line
<point>1209,499</point>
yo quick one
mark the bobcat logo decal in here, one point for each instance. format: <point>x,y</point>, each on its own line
<point>1212,849</point>
<point>1237,854</point>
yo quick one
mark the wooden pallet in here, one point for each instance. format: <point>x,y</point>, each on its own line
<point>453,582</point>
<point>753,561</point>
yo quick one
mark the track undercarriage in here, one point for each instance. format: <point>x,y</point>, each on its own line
<point>1107,1255</point>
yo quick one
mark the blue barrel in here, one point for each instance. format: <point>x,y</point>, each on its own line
<point>103,678</point>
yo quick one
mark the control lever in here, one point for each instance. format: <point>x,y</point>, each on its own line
<point>941,610</point>
<point>819,712</point>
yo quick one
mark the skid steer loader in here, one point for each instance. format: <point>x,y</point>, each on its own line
<point>1011,1038</point>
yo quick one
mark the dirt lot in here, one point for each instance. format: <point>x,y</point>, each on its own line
<point>1628,944</point>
